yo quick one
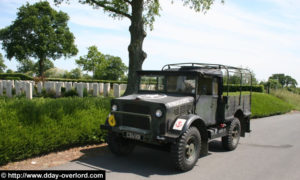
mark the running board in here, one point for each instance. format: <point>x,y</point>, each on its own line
<point>216,132</point>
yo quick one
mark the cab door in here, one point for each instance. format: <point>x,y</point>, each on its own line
<point>207,99</point>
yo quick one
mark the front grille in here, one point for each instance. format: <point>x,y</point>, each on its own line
<point>136,121</point>
<point>137,108</point>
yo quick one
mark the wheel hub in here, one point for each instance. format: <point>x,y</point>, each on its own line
<point>190,150</point>
<point>235,135</point>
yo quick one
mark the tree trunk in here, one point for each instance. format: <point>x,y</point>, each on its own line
<point>41,66</point>
<point>136,53</point>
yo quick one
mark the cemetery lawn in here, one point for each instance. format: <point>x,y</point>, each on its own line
<point>33,127</point>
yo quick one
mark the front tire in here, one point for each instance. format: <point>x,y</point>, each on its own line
<point>231,141</point>
<point>185,152</point>
<point>119,145</point>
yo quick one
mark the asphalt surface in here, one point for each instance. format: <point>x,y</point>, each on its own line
<point>271,151</point>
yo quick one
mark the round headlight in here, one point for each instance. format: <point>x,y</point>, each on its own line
<point>158,113</point>
<point>114,107</point>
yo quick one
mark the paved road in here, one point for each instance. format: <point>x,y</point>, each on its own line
<point>271,151</point>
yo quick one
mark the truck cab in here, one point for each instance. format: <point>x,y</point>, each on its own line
<point>179,109</point>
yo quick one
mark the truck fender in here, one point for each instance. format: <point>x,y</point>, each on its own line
<point>182,123</point>
<point>196,120</point>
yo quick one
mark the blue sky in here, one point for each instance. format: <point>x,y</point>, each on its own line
<point>262,35</point>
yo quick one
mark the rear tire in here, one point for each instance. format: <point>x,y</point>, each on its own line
<point>119,145</point>
<point>231,141</point>
<point>185,152</point>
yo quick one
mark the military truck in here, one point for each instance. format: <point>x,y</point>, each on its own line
<point>180,109</point>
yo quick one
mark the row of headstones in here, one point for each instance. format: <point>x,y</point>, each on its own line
<point>27,86</point>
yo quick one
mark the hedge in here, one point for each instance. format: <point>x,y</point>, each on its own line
<point>14,76</point>
<point>236,87</point>
<point>34,127</point>
<point>86,80</point>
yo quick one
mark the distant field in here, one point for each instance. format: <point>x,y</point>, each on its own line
<point>289,97</point>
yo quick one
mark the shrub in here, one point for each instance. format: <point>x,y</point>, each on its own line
<point>85,92</point>
<point>71,93</point>
<point>12,78</point>
<point>50,94</point>
<point>86,80</point>
<point>38,126</point>
<point>63,90</point>
<point>20,76</point>
<point>236,87</point>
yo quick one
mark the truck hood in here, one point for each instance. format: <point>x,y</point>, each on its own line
<point>168,100</point>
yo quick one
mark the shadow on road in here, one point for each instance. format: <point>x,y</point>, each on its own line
<point>216,146</point>
<point>143,161</point>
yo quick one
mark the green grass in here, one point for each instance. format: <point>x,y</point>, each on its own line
<point>42,125</point>
<point>267,105</point>
<point>288,96</point>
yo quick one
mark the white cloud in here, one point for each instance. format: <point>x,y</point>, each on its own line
<point>225,35</point>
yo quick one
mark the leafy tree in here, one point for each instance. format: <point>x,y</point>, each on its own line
<point>9,71</point>
<point>280,77</point>
<point>284,80</point>
<point>55,73</point>
<point>235,78</point>
<point>142,14</point>
<point>75,73</point>
<point>290,82</point>
<point>2,65</point>
<point>273,84</point>
<point>112,68</point>
<point>103,66</point>
<point>39,32</point>
<point>91,60</point>
<point>48,64</point>
<point>28,65</point>
<point>25,66</point>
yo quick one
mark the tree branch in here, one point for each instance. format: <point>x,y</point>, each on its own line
<point>111,9</point>
<point>129,2</point>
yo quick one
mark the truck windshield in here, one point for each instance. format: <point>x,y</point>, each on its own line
<point>152,83</point>
<point>169,83</point>
<point>182,84</point>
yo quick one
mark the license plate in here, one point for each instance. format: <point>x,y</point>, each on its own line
<point>131,135</point>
